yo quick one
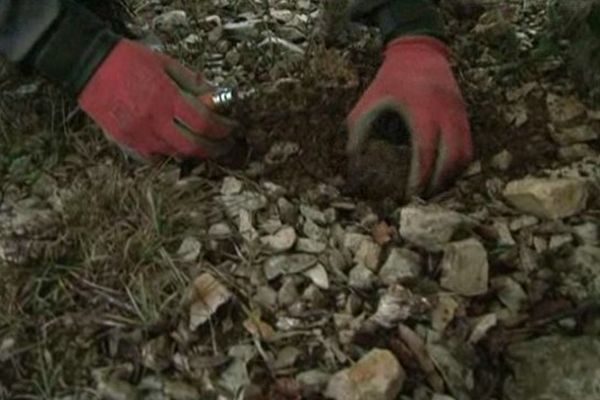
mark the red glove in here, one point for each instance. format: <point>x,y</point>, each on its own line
<point>150,105</point>
<point>416,84</point>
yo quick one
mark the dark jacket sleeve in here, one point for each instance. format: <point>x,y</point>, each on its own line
<point>60,39</point>
<point>399,17</point>
<point>23,23</point>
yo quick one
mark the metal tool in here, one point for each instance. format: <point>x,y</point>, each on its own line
<point>224,99</point>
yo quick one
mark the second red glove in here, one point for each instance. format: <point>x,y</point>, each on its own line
<point>416,83</point>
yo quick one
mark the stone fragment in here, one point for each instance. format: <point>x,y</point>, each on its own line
<point>588,233</point>
<point>266,297</point>
<point>564,109</point>
<point>287,357</point>
<point>288,293</point>
<point>578,134</point>
<point>361,278</point>
<point>548,198</point>
<point>576,152</point>
<point>457,373</point>
<point>560,240</point>
<point>219,231</point>
<point>398,304</point>
<point>180,391</point>
<point>429,227</point>
<point>170,20</point>
<point>401,265</point>
<point>281,241</point>
<point>510,293</point>
<point>502,160</point>
<point>505,238</point>
<point>304,245</point>
<point>554,368</point>
<point>318,275</point>
<point>190,249</point>
<point>482,326</point>
<point>314,231</point>
<point>352,241</point>
<point>288,264</point>
<point>313,382</point>
<point>465,268</point>
<point>368,255</point>
<point>444,311</point>
<point>116,389</point>
<point>246,227</point>
<point>377,376</point>
<point>582,278</point>
<point>231,185</point>
<point>287,211</point>
<point>523,222</point>
<point>313,214</point>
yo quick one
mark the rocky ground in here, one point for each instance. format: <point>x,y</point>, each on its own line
<point>269,280</point>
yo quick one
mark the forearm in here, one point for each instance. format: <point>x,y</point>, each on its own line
<point>57,38</point>
<point>399,17</point>
<point>23,23</point>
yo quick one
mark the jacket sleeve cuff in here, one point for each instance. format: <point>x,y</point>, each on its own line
<point>73,48</point>
<point>397,18</point>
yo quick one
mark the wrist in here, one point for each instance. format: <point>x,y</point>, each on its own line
<point>397,18</point>
<point>73,48</point>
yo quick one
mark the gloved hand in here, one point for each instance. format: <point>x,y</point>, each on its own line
<point>151,105</point>
<point>416,84</point>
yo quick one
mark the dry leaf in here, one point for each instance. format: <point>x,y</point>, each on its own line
<point>382,233</point>
<point>259,328</point>
<point>209,295</point>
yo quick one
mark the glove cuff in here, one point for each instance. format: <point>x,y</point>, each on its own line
<point>73,48</point>
<point>397,18</point>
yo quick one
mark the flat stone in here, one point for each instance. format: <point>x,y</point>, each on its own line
<point>444,311</point>
<point>554,368</point>
<point>576,152</point>
<point>352,241</point>
<point>288,264</point>
<point>304,245</point>
<point>482,326</point>
<point>368,255</point>
<point>190,249</point>
<point>313,382</point>
<point>170,20</point>
<point>180,391</point>
<point>588,233</point>
<point>362,278</point>
<point>548,198</point>
<point>281,241</point>
<point>287,357</point>
<point>578,134</point>
<point>288,293</point>
<point>502,161</point>
<point>318,275</point>
<point>313,214</point>
<point>523,222</point>
<point>510,293</point>
<point>314,231</point>
<point>219,231</point>
<point>287,211</point>
<point>231,185</point>
<point>429,227</point>
<point>114,389</point>
<point>582,279</point>
<point>401,265</point>
<point>266,297</point>
<point>564,109</point>
<point>376,376</point>
<point>465,268</point>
